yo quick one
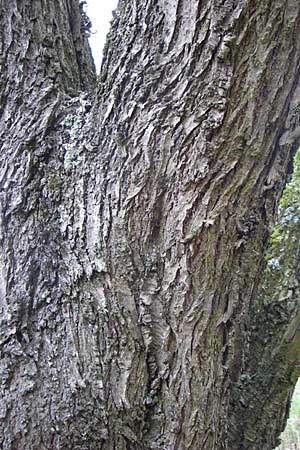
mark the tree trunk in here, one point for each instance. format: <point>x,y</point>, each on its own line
<point>135,214</point>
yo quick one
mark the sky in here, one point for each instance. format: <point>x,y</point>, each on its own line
<point>100,13</point>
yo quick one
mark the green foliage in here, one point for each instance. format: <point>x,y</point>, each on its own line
<point>283,256</point>
<point>282,273</point>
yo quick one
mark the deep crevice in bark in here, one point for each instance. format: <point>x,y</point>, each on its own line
<point>141,219</point>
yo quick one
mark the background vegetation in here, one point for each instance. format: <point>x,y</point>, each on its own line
<point>283,269</point>
<point>290,438</point>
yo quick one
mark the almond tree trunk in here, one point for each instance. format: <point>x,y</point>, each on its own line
<point>135,212</point>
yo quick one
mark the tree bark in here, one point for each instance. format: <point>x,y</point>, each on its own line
<point>135,213</point>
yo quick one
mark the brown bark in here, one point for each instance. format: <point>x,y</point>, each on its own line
<point>134,220</point>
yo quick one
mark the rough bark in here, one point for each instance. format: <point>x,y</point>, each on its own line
<point>273,356</point>
<point>134,219</point>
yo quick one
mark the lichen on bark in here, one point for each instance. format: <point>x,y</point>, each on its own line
<point>134,219</point>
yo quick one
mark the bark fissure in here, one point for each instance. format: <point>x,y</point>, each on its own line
<point>134,220</point>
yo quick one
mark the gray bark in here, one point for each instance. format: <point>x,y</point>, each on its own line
<point>135,213</point>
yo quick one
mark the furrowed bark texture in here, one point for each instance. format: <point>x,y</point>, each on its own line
<point>134,221</point>
<point>273,356</point>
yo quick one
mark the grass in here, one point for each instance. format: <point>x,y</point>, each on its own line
<point>290,438</point>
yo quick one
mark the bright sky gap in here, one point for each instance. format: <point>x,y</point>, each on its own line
<point>100,13</point>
